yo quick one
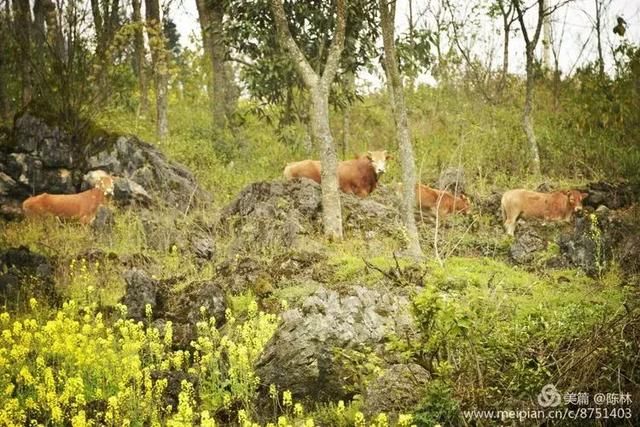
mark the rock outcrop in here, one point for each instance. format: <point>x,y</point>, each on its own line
<point>303,355</point>
<point>282,214</point>
<point>37,157</point>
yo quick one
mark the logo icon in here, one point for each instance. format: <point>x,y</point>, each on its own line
<point>549,396</point>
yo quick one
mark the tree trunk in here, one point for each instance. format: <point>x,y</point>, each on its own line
<point>506,28</point>
<point>346,115</point>
<point>4,96</point>
<point>219,87</point>
<point>599,37</point>
<point>546,39</point>
<point>527,116</point>
<point>22,16</point>
<point>319,87</point>
<point>55,38</point>
<point>505,58</point>
<point>530,46</point>
<point>38,25</point>
<point>101,51</point>
<point>403,137</point>
<point>331,206</point>
<point>160,66</point>
<point>204,17</point>
<point>139,61</point>
<point>218,52</point>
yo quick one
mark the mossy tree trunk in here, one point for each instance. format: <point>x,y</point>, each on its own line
<point>407,159</point>
<point>319,87</point>
<point>219,85</point>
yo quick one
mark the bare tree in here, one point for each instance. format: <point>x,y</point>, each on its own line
<point>403,137</point>
<point>507,13</point>
<point>597,22</point>
<point>478,73</point>
<point>139,60</point>
<point>530,41</point>
<point>318,86</point>
<point>160,66</point>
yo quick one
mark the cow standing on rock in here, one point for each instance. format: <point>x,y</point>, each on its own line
<point>358,176</point>
<point>82,206</point>
<point>555,206</point>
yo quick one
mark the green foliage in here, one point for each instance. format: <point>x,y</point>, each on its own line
<point>271,78</point>
<point>506,330</point>
<point>438,405</point>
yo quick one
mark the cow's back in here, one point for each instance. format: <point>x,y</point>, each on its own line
<point>303,169</point>
<point>82,206</point>
<point>357,176</point>
<point>444,202</point>
<point>532,204</point>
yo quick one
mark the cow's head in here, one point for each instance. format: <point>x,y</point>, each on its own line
<point>378,160</point>
<point>106,185</point>
<point>100,179</point>
<point>575,199</point>
<point>462,204</point>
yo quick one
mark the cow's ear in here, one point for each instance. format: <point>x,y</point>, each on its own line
<point>584,195</point>
<point>387,156</point>
<point>369,156</point>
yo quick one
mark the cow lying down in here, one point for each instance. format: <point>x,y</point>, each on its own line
<point>440,202</point>
<point>82,206</point>
<point>358,176</point>
<point>555,206</point>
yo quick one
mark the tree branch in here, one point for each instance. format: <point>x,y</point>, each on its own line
<point>309,76</point>
<point>337,44</point>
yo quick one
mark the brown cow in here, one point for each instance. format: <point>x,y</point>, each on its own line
<point>556,206</point>
<point>358,176</point>
<point>82,206</point>
<point>439,202</point>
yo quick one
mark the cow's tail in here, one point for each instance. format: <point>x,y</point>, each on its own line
<point>503,210</point>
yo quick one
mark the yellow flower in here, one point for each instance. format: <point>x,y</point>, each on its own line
<point>25,376</point>
<point>404,420</point>
<point>8,391</point>
<point>273,391</point>
<point>382,420</point>
<point>287,399</point>
<point>33,303</point>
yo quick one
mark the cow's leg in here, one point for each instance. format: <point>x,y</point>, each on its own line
<point>510,224</point>
<point>361,192</point>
